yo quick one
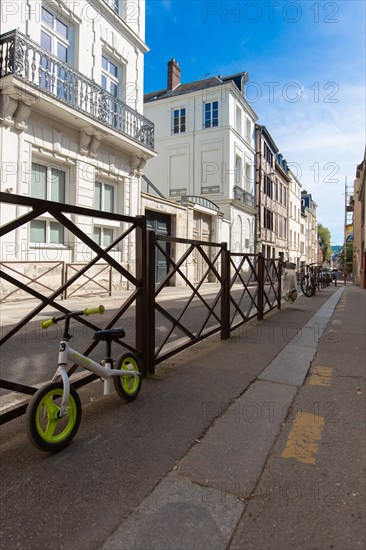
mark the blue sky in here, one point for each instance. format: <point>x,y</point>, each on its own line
<point>306,66</point>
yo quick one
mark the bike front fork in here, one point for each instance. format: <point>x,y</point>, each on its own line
<point>61,372</point>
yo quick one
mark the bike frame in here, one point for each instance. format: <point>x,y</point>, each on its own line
<point>68,354</point>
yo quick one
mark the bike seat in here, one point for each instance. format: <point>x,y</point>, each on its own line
<point>109,334</point>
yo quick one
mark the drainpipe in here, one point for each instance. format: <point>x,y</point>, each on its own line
<point>258,178</point>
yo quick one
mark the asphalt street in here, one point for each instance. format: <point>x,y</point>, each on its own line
<point>253,442</point>
<point>30,356</point>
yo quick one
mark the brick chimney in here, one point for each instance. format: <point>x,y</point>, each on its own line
<point>174,72</point>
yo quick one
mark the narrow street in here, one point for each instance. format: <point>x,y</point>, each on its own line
<point>207,456</point>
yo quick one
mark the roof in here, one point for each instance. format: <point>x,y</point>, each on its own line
<point>263,130</point>
<point>194,86</point>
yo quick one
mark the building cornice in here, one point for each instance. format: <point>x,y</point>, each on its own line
<point>282,172</point>
<point>118,21</point>
<point>227,84</point>
<point>294,178</point>
<point>242,139</point>
<point>243,100</point>
<point>262,130</point>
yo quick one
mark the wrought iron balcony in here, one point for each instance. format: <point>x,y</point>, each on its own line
<point>25,59</point>
<point>244,196</point>
<point>201,201</point>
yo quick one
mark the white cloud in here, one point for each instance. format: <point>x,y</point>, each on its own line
<point>166,4</point>
<point>324,142</point>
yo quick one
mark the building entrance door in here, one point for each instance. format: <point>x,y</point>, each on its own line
<point>201,232</point>
<point>161,224</point>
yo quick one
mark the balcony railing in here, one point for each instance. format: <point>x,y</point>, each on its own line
<point>244,196</point>
<point>201,201</point>
<point>26,60</point>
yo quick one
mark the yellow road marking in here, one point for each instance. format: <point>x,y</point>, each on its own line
<point>302,441</point>
<point>320,376</point>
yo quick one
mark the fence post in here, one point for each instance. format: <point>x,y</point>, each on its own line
<point>225,292</point>
<point>150,301</point>
<point>144,315</point>
<point>280,268</point>
<point>63,281</point>
<point>260,275</point>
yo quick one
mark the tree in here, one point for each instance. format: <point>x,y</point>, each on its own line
<point>349,258</point>
<point>324,240</point>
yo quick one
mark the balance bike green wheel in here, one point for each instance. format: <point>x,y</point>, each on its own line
<point>128,387</point>
<point>47,431</point>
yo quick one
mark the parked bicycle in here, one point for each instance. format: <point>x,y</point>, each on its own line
<point>54,412</point>
<point>289,282</point>
<point>308,281</point>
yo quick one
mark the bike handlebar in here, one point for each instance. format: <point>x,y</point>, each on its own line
<point>48,322</point>
<point>92,310</point>
<point>87,311</point>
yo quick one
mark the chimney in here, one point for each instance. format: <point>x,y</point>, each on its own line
<point>173,74</point>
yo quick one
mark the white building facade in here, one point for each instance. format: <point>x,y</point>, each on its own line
<point>71,118</point>
<point>308,209</point>
<point>294,222</point>
<point>204,137</point>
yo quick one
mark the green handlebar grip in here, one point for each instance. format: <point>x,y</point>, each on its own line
<point>92,310</point>
<point>47,322</point>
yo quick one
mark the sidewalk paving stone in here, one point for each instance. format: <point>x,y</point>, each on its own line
<point>233,452</point>
<point>173,514</point>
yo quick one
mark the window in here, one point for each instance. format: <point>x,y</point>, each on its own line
<point>267,187</point>
<point>46,232</point>
<point>211,114</point>
<point>57,39</point>
<point>238,171</point>
<point>111,78</point>
<point>103,197</point>
<point>267,219</point>
<point>268,154</point>
<point>113,4</point>
<point>248,178</point>
<point>103,236</point>
<point>47,183</point>
<point>238,120</point>
<point>104,201</point>
<point>249,131</point>
<point>179,121</point>
<point>110,81</point>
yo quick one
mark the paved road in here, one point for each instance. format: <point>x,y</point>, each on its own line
<point>30,356</point>
<point>123,453</point>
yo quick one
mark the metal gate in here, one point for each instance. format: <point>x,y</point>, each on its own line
<point>245,286</point>
<point>135,278</point>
